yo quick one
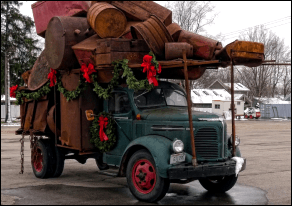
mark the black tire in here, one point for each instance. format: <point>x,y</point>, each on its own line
<point>218,184</point>
<point>159,186</point>
<point>59,162</point>
<point>43,166</point>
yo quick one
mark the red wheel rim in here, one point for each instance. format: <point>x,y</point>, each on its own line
<point>144,176</point>
<point>245,116</point>
<point>38,160</point>
<point>250,116</point>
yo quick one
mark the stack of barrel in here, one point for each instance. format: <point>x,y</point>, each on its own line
<point>78,32</point>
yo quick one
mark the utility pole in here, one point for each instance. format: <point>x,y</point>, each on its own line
<point>8,92</point>
<point>5,88</point>
<point>7,95</point>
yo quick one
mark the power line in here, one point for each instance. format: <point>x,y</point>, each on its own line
<point>275,21</point>
<point>235,36</point>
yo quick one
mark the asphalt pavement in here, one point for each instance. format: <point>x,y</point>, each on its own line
<point>267,179</point>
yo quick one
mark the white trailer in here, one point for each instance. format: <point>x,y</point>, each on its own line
<point>221,106</point>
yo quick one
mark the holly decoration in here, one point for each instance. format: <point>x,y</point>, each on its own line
<point>52,77</point>
<point>151,66</point>
<point>103,132</point>
<point>13,89</point>
<point>87,71</point>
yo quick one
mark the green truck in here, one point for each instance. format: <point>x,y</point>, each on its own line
<point>153,143</point>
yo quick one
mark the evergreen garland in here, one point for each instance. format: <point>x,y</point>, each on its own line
<point>69,95</point>
<point>44,90</point>
<point>110,131</point>
<point>119,65</point>
<point>132,82</point>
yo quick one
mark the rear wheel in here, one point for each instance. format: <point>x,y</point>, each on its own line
<point>143,179</point>
<point>59,161</point>
<point>250,116</point>
<point>42,159</point>
<point>218,184</point>
<point>245,116</point>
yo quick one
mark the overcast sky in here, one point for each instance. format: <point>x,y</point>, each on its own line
<point>234,16</point>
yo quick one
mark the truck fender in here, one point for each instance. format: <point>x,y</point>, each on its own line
<point>159,147</point>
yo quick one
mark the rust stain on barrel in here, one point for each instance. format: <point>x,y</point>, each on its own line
<point>106,20</point>
<point>154,32</point>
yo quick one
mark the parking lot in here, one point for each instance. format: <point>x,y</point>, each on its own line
<point>266,144</point>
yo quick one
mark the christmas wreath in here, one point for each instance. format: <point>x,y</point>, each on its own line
<point>103,132</point>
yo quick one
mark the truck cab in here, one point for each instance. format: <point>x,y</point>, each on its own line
<point>153,142</point>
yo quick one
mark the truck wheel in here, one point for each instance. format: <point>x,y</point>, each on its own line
<point>59,161</point>
<point>245,116</point>
<point>250,116</point>
<point>218,184</point>
<point>143,179</point>
<point>42,160</point>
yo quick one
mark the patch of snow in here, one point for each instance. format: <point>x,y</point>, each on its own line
<point>227,115</point>
<point>239,162</point>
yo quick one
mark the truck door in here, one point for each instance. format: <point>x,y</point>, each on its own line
<point>119,105</point>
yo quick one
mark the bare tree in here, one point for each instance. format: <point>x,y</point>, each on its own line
<point>286,80</point>
<point>192,15</point>
<point>263,80</point>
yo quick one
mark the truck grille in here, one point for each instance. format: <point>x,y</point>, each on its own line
<point>206,142</point>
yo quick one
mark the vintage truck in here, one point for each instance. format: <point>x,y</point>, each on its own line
<point>153,147</point>
<point>158,139</point>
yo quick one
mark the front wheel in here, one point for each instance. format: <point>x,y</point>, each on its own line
<point>218,184</point>
<point>143,179</point>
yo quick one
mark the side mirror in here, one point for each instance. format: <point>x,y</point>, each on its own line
<point>89,115</point>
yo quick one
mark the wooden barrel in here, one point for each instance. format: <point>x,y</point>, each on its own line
<point>154,33</point>
<point>106,20</point>
<point>62,33</point>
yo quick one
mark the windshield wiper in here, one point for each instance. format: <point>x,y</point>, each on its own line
<point>178,92</point>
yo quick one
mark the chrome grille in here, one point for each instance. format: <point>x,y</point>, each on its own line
<point>206,142</point>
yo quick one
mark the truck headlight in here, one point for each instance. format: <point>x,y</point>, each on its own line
<point>178,146</point>
<point>237,140</point>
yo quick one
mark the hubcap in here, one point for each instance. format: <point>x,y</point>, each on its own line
<point>144,176</point>
<point>38,160</point>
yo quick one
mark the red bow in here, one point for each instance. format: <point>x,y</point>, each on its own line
<point>102,123</point>
<point>87,71</point>
<point>12,91</point>
<point>52,77</point>
<point>151,70</point>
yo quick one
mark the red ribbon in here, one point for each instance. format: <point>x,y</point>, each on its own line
<point>151,70</point>
<point>12,91</point>
<point>102,123</point>
<point>87,71</point>
<point>52,77</point>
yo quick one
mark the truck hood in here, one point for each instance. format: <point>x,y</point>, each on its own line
<point>174,114</point>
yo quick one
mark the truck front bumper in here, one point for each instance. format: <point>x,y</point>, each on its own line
<point>184,171</point>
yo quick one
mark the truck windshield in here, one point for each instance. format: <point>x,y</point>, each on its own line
<point>160,98</point>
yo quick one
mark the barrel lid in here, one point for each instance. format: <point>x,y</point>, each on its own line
<point>55,42</point>
<point>39,73</point>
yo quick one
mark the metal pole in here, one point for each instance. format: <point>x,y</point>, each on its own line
<point>8,96</point>
<point>232,109</point>
<point>6,88</point>
<point>194,160</point>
